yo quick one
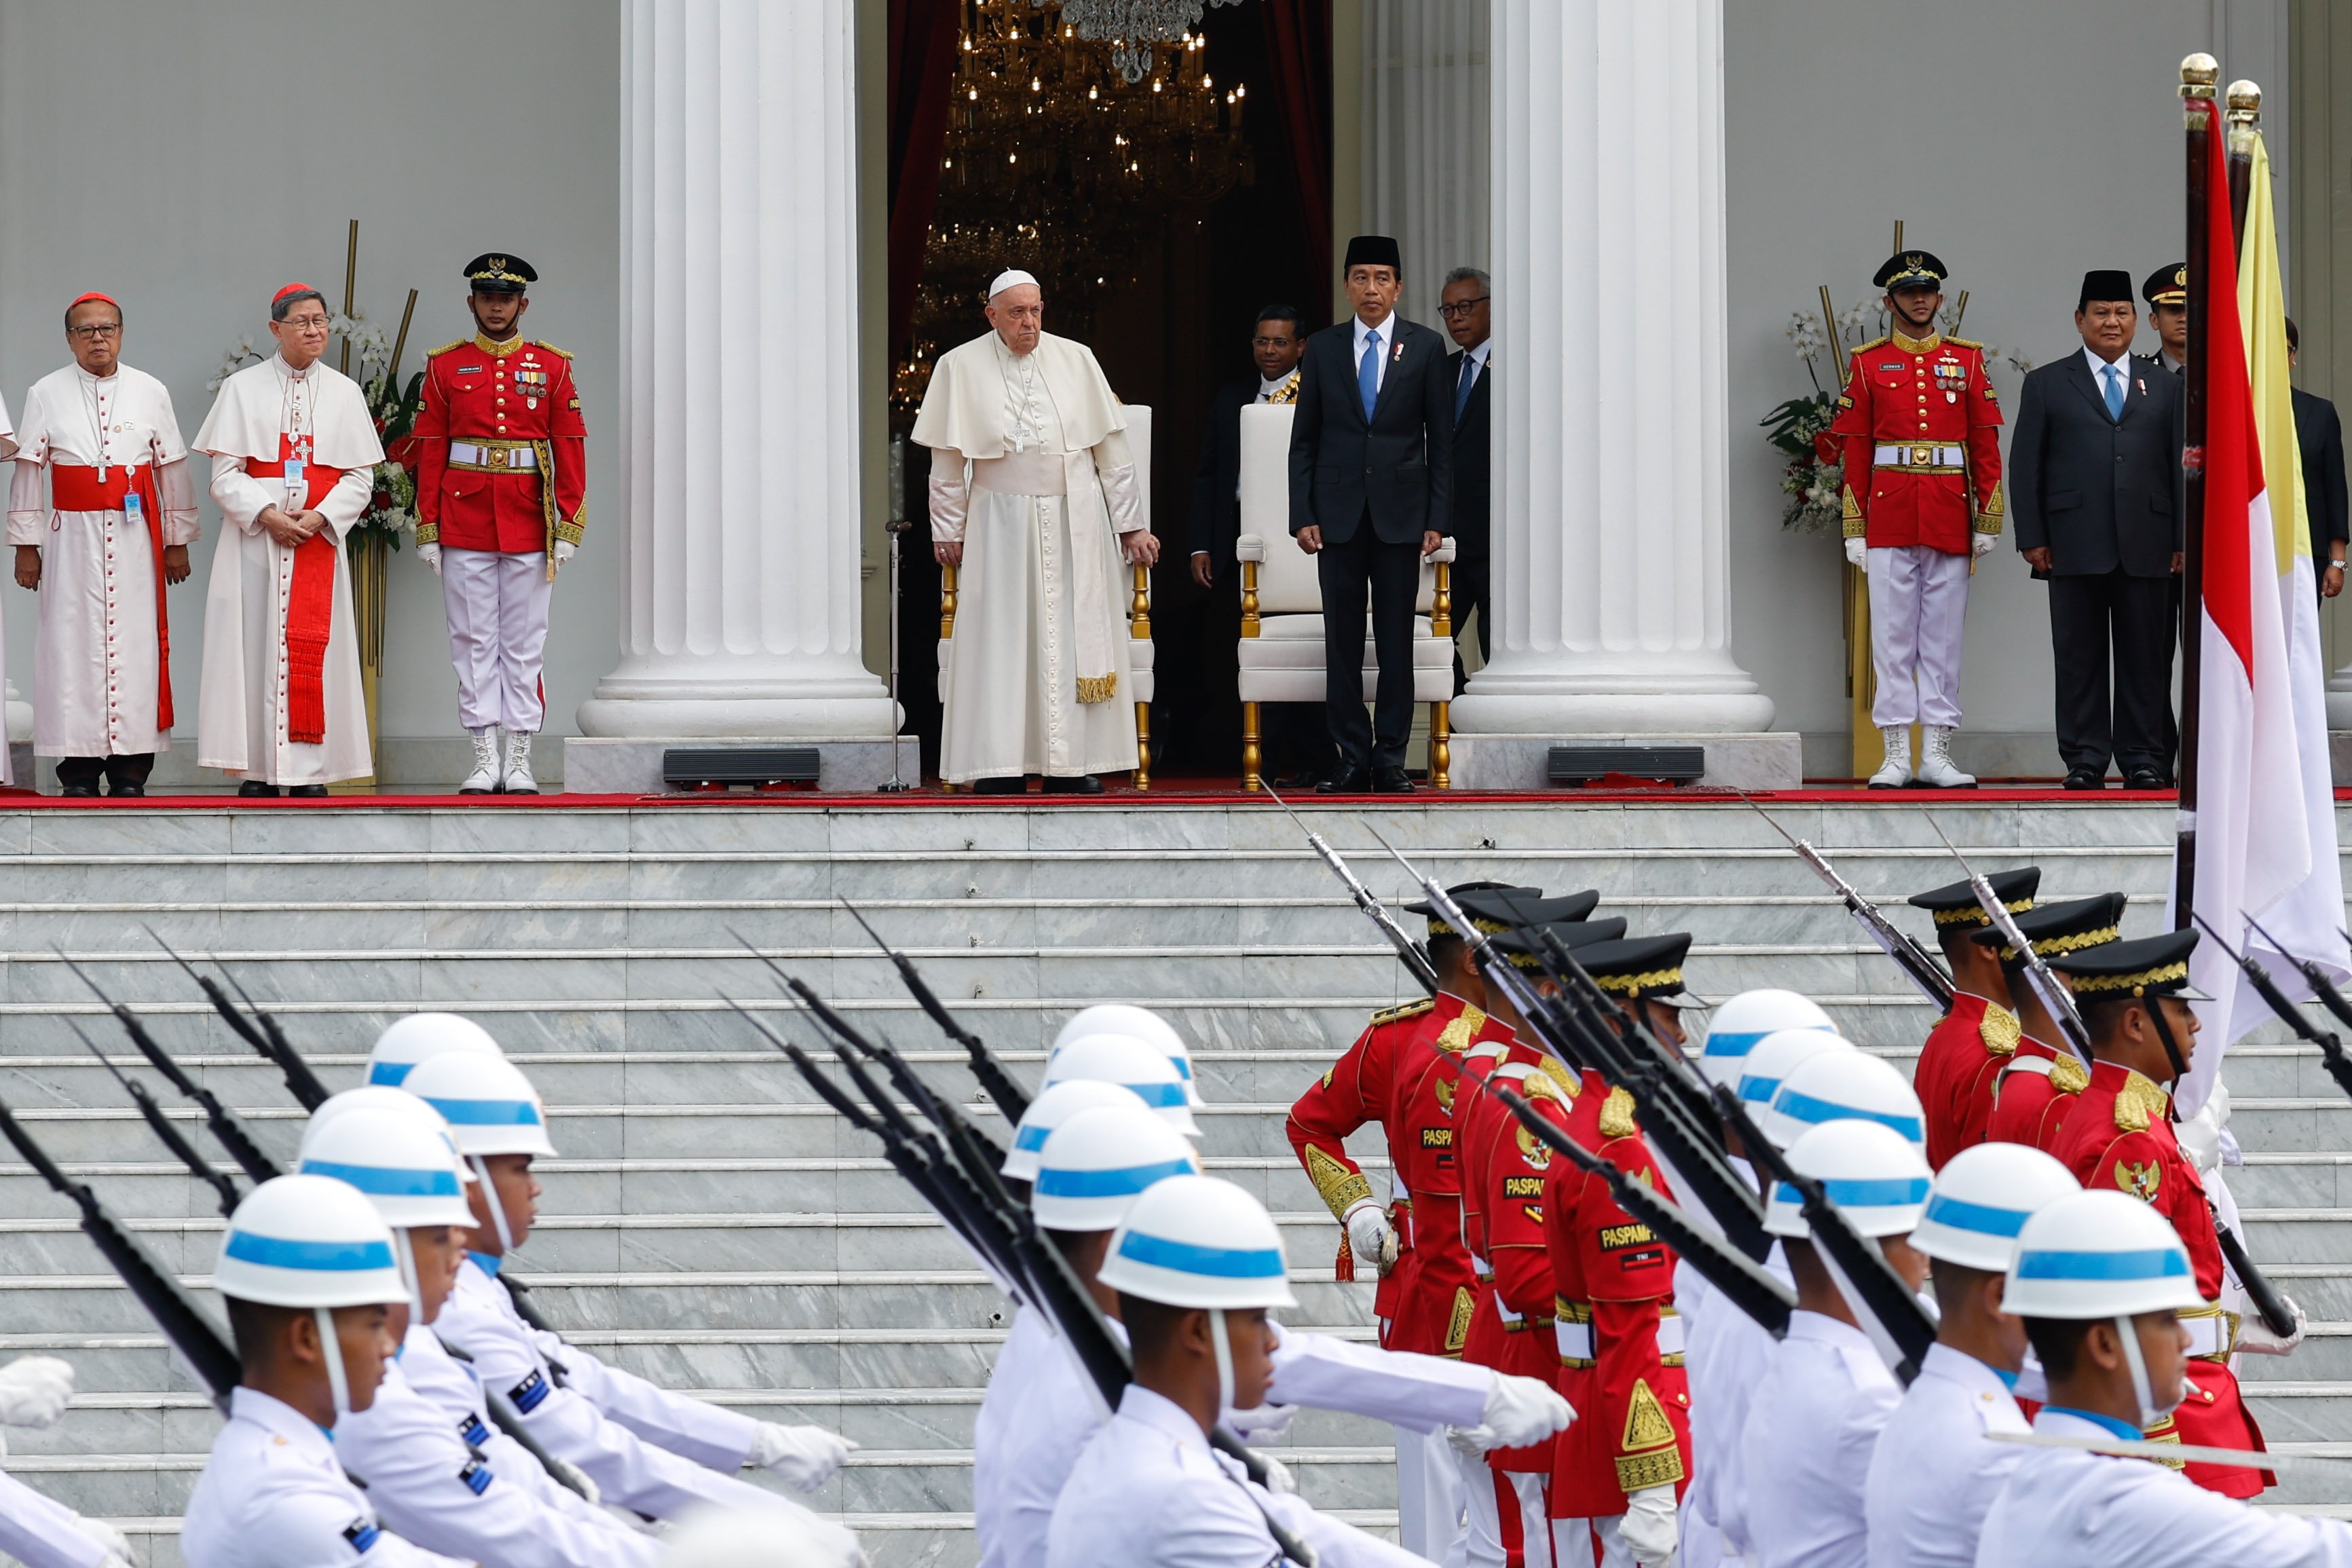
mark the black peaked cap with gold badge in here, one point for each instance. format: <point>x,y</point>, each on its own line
<point>499,272</point>
<point>1494,909</point>
<point>1910,270</point>
<point>1437,927</point>
<point>1523,944</point>
<point>2145,966</point>
<point>1955,903</point>
<point>1648,968</point>
<point>2167,285</point>
<point>2068,926</point>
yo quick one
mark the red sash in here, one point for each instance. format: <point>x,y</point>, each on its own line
<point>310,605</point>
<point>76,488</point>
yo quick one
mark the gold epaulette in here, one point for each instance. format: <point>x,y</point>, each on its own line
<point>1859,348</point>
<point>1455,1037</point>
<point>2139,1103</point>
<point>1964,343</point>
<point>1999,1030</point>
<point>2068,1075</point>
<point>550,348</point>
<point>1617,1115</point>
<point>444,348</point>
<point>1410,1010</point>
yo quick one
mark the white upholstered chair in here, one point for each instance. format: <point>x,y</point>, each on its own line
<point>1282,605</point>
<point>1138,609</point>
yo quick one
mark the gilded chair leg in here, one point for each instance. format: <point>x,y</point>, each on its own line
<point>1250,758</point>
<point>1143,745</point>
<point>1441,750</point>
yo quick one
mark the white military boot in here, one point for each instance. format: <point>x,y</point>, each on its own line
<point>518,780</point>
<point>1936,768</point>
<point>1895,773</point>
<point>484,779</point>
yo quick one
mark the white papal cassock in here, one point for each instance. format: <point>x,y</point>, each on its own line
<point>100,681</point>
<point>7,763</point>
<point>1031,472</point>
<point>258,688</point>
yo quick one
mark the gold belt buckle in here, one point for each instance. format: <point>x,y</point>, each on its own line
<point>495,458</point>
<point>1922,456</point>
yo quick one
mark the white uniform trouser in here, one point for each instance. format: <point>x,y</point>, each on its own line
<point>498,633</point>
<point>1508,1510</point>
<point>1590,1543</point>
<point>1918,605</point>
<point>1428,1494</point>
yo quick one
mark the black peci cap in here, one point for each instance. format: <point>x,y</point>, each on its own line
<point>2105,283</point>
<point>1373,250</point>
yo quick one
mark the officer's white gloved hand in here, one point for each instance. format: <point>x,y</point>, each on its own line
<point>1982,543</point>
<point>1279,1478</point>
<point>1857,551</point>
<point>2254,1336</point>
<point>1650,1531</point>
<point>2199,1136</point>
<point>431,556</point>
<point>803,1456</point>
<point>1524,1410</point>
<point>564,551</point>
<point>117,1544</point>
<point>570,1475</point>
<point>34,1389</point>
<point>1370,1238</point>
<point>1265,1424</point>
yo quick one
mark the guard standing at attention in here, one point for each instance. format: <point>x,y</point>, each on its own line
<point>501,494</point>
<point>2035,1089</point>
<point>1919,425</point>
<point>1966,1049</point>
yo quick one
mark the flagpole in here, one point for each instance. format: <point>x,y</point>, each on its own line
<point>2197,75</point>
<point>2245,112</point>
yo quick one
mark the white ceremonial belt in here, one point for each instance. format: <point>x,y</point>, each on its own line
<point>1670,1333</point>
<point>472,455</point>
<point>1020,474</point>
<point>1509,1317</point>
<point>1918,455</point>
<point>1575,1341</point>
<point>2213,1333</point>
<point>2030,1064</point>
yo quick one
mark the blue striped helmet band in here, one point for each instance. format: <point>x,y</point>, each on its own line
<point>1981,1218</point>
<point>387,1181</point>
<point>389,1073</point>
<point>1887,1192</point>
<point>1216,1262</point>
<point>318,1256</point>
<point>2145,1263</point>
<point>1118,1184</point>
<point>487,1113</point>
<point>1806,1108</point>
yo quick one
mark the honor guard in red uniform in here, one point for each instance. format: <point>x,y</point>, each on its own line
<point>2134,996</point>
<point>2034,1090</point>
<point>501,491</point>
<point>1968,1046</point>
<point>1919,428</point>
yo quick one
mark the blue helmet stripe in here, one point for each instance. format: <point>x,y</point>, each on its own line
<point>387,1181</point>
<point>1981,1218</point>
<point>389,1073</point>
<point>1805,1108</point>
<point>1732,1044</point>
<point>1031,1136</point>
<point>318,1256</point>
<point>487,1113</point>
<point>2147,1263</point>
<point>1759,1090</point>
<point>1118,1184</point>
<point>1889,1192</point>
<point>1217,1262</point>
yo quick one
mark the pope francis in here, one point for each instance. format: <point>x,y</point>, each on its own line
<point>1031,481</point>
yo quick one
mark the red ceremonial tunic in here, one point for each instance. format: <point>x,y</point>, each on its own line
<point>2034,1094</point>
<point>2120,1136</point>
<point>513,414</point>
<point>1919,428</point>
<point>1619,1338</point>
<point>1964,1053</point>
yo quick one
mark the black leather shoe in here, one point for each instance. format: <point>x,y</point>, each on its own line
<point>2144,778</point>
<point>254,788</point>
<point>78,791</point>
<point>1015,785</point>
<point>307,791</point>
<point>2083,778</point>
<point>126,789</point>
<point>1075,784</point>
<point>1348,778</point>
<point>1391,781</point>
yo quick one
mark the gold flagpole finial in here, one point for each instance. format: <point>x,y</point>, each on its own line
<point>2197,75</point>
<point>2245,100</point>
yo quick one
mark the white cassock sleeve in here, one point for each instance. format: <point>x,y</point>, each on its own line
<point>1419,1392</point>
<point>950,489</point>
<point>28,503</point>
<point>177,488</point>
<point>240,496</point>
<point>1115,463</point>
<point>342,505</point>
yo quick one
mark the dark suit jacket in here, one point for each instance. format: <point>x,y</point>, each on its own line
<point>1400,466</point>
<point>2320,434</point>
<point>1216,503</point>
<point>1473,461</point>
<point>2100,493</point>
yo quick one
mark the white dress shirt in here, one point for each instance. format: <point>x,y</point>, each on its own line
<point>2121,365</point>
<point>1149,1492</point>
<point>2067,1509</point>
<point>1806,1449</point>
<point>1934,1476</point>
<point>1727,1358</point>
<point>1388,331</point>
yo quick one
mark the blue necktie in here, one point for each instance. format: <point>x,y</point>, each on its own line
<point>1367,374</point>
<point>1462,388</point>
<point>2115,392</point>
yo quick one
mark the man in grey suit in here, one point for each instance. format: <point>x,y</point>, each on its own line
<point>1371,492</point>
<point>2093,471</point>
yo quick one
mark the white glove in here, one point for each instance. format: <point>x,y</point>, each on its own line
<point>1519,1411</point>
<point>564,551</point>
<point>2199,1136</point>
<point>431,556</point>
<point>804,1458</point>
<point>1279,1478</point>
<point>117,1544</point>
<point>1370,1238</point>
<point>1650,1531</point>
<point>2254,1336</point>
<point>34,1389</point>
<point>570,1475</point>
<point>1982,543</point>
<point>1857,551</point>
<point>1265,1424</point>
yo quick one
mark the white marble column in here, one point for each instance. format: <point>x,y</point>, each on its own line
<point>1427,97</point>
<point>1611,556</point>
<point>739,377</point>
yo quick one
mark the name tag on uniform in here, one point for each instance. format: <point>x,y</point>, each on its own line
<point>134,509</point>
<point>294,491</point>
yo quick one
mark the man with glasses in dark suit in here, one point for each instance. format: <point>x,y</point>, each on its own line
<point>1468,312</point>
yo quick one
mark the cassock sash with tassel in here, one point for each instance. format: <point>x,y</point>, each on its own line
<point>74,487</point>
<point>310,605</point>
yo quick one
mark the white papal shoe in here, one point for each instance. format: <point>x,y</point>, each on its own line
<point>484,779</point>
<point>1936,768</point>
<point>518,779</point>
<point>1895,773</point>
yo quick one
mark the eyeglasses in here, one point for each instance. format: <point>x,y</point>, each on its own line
<point>97,330</point>
<point>1272,343</point>
<point>305,323</point>
<point>1462,307</point>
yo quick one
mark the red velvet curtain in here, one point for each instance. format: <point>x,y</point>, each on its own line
<point>923,39</point>
<point>1298,40</point>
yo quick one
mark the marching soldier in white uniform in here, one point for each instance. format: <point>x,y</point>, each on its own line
<point>37,1530</point>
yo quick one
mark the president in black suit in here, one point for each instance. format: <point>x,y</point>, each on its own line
<point>2319,434</point>
<point>2093,473</point>
<point>1467,306</point>
<point>1371,490</point>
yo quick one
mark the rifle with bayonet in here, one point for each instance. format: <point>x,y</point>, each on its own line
<point>1917,966</point>
<point>273,1048</point>
<point>226,1127</point>
<point>2331,1050</point>
<point>201,1344</point>
<point>1410,953</point>
<point>171,1137</point>
<point>989,1073</point>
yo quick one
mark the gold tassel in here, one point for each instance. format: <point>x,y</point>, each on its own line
<point>1099,688</point>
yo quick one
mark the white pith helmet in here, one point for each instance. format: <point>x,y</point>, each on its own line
<point>1776,1056</point>
<point>1877,1177</point>
<point>1097,1164</point>
<point>1196,1241</point>
<point>1054,1106</point>
<point>1740,1024</point>
<point>2098,1255</point>
<point>1982,1198</point>
<point>1126,1018</point>
<point>1844,1086</point>
<point>400,1163</point>
<point>420,1037</point>
<point>1132,1064</point>
<point>373,1097</point>
<point>489,1105</point>
<point>307,1241</point>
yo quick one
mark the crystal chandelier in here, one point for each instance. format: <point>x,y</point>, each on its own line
<point>1133,26</point>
